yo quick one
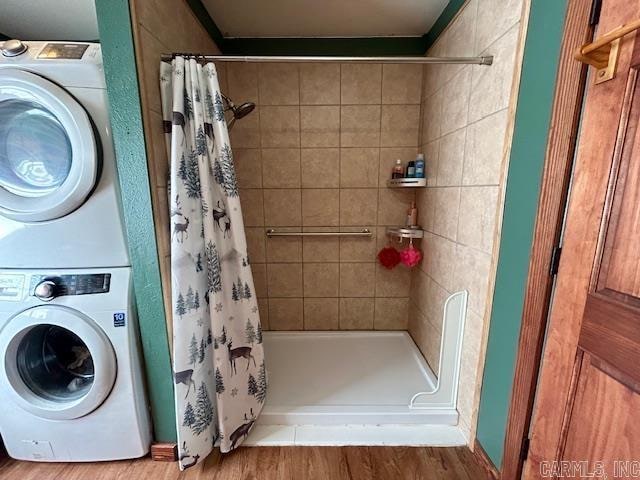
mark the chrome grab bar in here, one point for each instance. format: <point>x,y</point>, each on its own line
<point>272,232</point>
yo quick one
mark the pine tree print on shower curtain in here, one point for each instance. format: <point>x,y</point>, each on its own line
<point>218,359</point>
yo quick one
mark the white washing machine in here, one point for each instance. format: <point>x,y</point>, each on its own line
<point>71,383</point>
<point>59,196</point>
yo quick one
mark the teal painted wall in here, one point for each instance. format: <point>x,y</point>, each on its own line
<point>535,98</point>
<point>114,24</point>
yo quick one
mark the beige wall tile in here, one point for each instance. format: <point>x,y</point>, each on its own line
<point>280,126</point>
<point>391,314</point>
<point>360,83</point>
<point>471,272</point>
<point>284,249</point>
<point>320,126</point>
<point>400,125</point>
<point>483,155</point>
<point>320,249</point>
<point>243,83</point>
<point>431,159</point>
<point>358,206</point>
<point>356,313</point>
<point>401,84</point>
<point>455,101</point>
<point>426,203</point>
<point>248,163</point>
<point>320,167</point>
<point>357,279</point>
<point>320,84</point>
<point>321,314</point>
<point>393,204</point>
<point>426,337</point>
<point>255,244</point>
<point>281,167</point>
<point>476,227</point>
<point>263,311</point>
<point>446,208</point>
<point>321,279</point>
<point>360,126</point>
<point>246,132</point>
<point>392,283</point>
<point>358,249</point>
<point>451,158</point>
<point>491,87</point>
<point>284,280</point>
<point>259,271</point>
<point>282,207</point>
<point>438,262</point>
<point>320,206</point>
<point>285,314</point>
<point>252,207</point>
<point>388,157</point>
<point>359,167</point>
<point>459,39</point>
<point>432,117</point>
<point>491,26</point>
<point>278,84</point>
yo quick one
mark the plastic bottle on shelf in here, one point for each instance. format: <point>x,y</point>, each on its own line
<point>412,216</point>
<point>398,170</point>
<point>420,166</point>
<point>411,169</point>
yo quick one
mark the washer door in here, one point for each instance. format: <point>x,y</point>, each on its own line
<point>58,363</point>
<point>48,156</point>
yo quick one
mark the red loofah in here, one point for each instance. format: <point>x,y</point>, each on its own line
<point>389,257</point>
<point>410,256</point>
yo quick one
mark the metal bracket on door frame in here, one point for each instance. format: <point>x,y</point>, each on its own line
<point>603,53</point>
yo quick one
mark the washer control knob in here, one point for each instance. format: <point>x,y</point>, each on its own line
<point>13,48</point>
<point>45,290</point>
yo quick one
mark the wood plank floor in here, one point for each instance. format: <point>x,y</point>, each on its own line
<point>273,463</point>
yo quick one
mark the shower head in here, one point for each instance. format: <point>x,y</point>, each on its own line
<point>238,112</point>
<point>244,110</point>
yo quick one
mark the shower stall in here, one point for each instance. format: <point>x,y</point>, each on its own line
<point>353,377</point>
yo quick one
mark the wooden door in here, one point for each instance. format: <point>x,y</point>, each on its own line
<point>587,413</point>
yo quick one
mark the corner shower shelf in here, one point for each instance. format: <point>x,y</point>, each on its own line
<point>404,232</point>
<point>406,182</point>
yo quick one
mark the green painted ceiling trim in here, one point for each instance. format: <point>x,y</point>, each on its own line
<point>370,46</point>
<point>533,116</point>
<point>114,25</point>
<point>448,14</point>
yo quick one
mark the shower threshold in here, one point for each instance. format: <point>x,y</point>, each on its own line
<point>350,388</point>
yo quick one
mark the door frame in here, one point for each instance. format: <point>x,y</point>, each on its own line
<point>557,171</point>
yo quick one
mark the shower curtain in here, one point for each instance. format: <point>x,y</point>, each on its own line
<point>218,358</point>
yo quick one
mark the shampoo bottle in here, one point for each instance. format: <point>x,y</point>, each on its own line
<point>420,166</point>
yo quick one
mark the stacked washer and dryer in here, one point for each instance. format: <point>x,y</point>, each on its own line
<point>71,383</point>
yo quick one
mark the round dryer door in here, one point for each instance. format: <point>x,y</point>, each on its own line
<point>58,363</point>
<point>49,161</point>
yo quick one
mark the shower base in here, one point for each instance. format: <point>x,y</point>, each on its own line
<point>349,388</point>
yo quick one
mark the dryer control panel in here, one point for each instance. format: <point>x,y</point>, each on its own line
<point>81,284</point>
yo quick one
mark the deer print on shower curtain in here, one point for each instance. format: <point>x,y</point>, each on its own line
<point>216,324</point>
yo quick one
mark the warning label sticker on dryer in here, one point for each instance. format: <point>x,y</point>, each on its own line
<point>11,286</point>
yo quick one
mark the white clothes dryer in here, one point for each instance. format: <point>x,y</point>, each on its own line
<point>71,382</point>
<point>59,195</point>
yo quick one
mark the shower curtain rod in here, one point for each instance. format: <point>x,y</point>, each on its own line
<point>484,60</point>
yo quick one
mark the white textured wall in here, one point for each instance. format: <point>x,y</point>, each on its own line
<point>467,114</point>
<point>49,19</point>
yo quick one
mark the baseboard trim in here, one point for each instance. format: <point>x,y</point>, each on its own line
<point>164,452</point>
<point>484,461</point>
